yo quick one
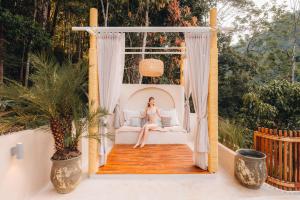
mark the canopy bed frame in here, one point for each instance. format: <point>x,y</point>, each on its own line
<point>212,76</point>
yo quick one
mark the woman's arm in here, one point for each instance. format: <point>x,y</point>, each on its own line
<point>144,114</point>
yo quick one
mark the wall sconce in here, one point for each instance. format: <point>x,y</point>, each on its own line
<point>18,151</point>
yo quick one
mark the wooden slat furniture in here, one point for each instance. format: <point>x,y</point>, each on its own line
<point>283,150</point>
<point>152,159</point>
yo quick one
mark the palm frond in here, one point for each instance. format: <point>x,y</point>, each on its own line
<point>58,95</point>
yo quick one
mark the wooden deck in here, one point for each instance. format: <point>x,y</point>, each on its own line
<point>152,159</point>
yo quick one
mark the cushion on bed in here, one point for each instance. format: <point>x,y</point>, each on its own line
<point>170,135</point>
<point>172,114</point>
<point>168,118</point>
<point>130,113</point>
<point>135,122</point>
<point>138,129</point>
<point>132,117</point>
<point>165,121</point>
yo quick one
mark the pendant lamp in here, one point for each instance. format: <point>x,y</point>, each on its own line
<point>151,67</point>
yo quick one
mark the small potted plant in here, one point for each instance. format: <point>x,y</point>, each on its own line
<point>57,98</point>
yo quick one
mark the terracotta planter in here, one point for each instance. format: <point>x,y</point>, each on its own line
<point>250,168</point>
<point>65,174</point>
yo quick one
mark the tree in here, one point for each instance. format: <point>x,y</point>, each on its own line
<point>18,32</point>
<point>2,50</point>
<point>236,72</point>
<point>296,20</point>
<point>231,9</point>
<point>273,105</point>
<point>270,42</point>
<point>53,21</point>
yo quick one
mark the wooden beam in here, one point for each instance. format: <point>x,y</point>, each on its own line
<point>213,96</point>
<point>93,94</point>
<point>142,29</point>
<point>182,61</point>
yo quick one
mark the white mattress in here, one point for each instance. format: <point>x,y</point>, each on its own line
<point>170,135</point>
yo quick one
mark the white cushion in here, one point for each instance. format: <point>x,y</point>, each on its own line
<point>135,122</point>
<point>170,135</point>
<point>166,121</point>
<point>138,129</point>
<point>171,113</point>
<point>128,114</point>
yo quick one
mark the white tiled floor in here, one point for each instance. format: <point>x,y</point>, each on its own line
<point>218,186</point>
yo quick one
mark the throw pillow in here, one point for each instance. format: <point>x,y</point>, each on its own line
<point>166,121</point>
<point>173,114</point>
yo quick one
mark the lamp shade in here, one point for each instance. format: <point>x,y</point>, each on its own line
<point>151,67</point>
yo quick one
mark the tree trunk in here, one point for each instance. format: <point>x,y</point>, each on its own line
<point>1,54</point>
<point>145,36</point>
<point>58,134</point>
<point>294,48</point>
<point>27,68</point>
<point>294,64</point>
<point>296,18</point>
<point>25,76</point>
<point>42,9</point>
<point>46,10</point>
<point>106,13</point>
<point>22,64</point>
<point>55,16</point>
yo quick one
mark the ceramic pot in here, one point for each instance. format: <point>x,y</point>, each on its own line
<point>250,168</point>
<point>65,174</point>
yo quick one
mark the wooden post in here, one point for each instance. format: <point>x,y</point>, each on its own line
<point>182,62</point>
<point>285,157</point>
<point>93,94</point>
<point>213,96</point>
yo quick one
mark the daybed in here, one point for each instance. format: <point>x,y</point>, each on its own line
<point>135,96</point>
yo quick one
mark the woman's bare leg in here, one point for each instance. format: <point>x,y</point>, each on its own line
<point>140,137</point>
<point>146,133</point>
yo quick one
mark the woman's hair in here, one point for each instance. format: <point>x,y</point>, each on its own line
<point>151,98</point>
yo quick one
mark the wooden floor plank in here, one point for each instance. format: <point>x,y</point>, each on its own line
<point>152,159</point>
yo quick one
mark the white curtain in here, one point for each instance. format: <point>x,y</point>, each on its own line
<point>111,60</point>
<point>198,55</point>
<point>187,94</point>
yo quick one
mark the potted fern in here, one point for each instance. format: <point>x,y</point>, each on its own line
<point>58,98</point>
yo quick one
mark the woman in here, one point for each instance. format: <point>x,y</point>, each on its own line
<point>152,116</point>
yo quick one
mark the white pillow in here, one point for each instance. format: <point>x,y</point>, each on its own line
<point>171,113</point>
<point>128,114</point>
<point>135,122</point>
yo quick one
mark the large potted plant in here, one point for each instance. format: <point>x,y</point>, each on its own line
<point>57,98</point>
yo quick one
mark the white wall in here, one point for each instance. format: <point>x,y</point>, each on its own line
<point>226,158</point>
<point>84,148</point>
<point>21,179</point>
